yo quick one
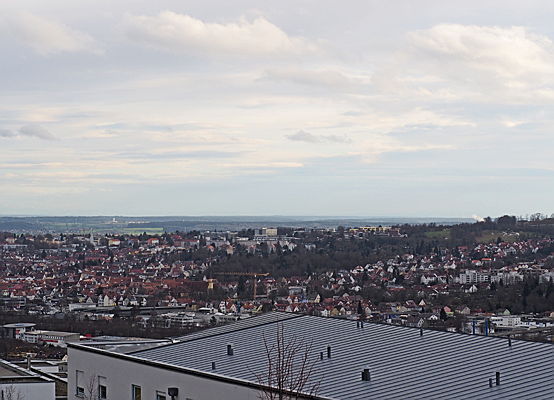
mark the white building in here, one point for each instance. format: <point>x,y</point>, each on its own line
<point>17,330</point>
<point>472,276</point>
<point>350,362</point>
<point>506,321</point>
<point>53,338</point>
<point>18,383</point>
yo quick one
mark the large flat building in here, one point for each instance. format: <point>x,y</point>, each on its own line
<point>350,361</point>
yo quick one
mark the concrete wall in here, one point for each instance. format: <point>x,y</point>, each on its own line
<point>121,374</point>
<point>29,390</point>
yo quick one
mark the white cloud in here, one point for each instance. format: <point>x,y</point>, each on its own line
<point>48,37</point>
<point>6,133</point>
<point>303,136</point>
<point>376,145</point>
<point>28,131</point>
<point>323,78</point>
<point>488,62</point>
<point>510,53</point>
<point>183,33</point>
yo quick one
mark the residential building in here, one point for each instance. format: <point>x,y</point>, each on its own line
<point>19,383</point>
<point>350,360</point>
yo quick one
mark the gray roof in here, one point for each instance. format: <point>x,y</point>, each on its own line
<point>125,346</point>
<point>245,323</point>
<point>403,365</point>
<point>11,373</point>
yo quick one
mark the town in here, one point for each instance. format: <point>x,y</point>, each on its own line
<point>172,283</point>
<point>488,278</point>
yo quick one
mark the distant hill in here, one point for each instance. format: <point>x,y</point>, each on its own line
<point>122,224</point>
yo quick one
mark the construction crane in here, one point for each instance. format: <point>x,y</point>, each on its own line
<point>253,274</point>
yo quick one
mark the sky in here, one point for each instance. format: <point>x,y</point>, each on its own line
<point>290,107</point>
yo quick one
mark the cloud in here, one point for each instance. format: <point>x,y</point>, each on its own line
<point>330,79</point>
<point>484,61</point>
<point>303,136</point>
<point>6,133</point>
<point>28,131</point>
<point>510,53</point>
<point>201,154</point>
<point>182,33</point>
<point>48,37</point>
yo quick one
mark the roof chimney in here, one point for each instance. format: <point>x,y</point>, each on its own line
<point>366,376</point>
<point>230,350</point>
<point>328,351</point>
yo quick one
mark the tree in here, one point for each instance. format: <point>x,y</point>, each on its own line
<point>289,367</point>
<point>11,393</point>
<point>91,387</point>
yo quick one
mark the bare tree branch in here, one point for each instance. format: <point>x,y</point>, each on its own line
<point>12,393</point>
<point>290,364</point>
<point>91,388</point>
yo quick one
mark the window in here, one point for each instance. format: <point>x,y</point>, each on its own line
<point>80,384</point>
<point>161,396</point>
<point>102,388</point>
<point>137,392</point>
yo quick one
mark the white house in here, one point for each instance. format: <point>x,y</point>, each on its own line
<point>18,383</point>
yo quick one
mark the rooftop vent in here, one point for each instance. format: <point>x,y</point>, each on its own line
<point>230,350</point>
<point>213,364</point>
<point>328,351</point>
<point>420,331</point>
<point>366,376</point>
<point>497,378</point>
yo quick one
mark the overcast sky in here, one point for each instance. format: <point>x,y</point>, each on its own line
<point>367,108</point>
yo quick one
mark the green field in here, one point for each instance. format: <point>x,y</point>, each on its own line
<point>138,231</point>
<point>492,236</point>
<point>442,234</point>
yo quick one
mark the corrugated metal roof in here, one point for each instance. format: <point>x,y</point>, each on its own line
<point>403,365</point>
<point>245,323</point>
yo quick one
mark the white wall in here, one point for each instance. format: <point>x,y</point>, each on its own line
<point>121,374</point>
<point>31,390</point>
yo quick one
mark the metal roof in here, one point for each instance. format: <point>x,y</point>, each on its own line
<point>245,323</point>
<point>403,364</point>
